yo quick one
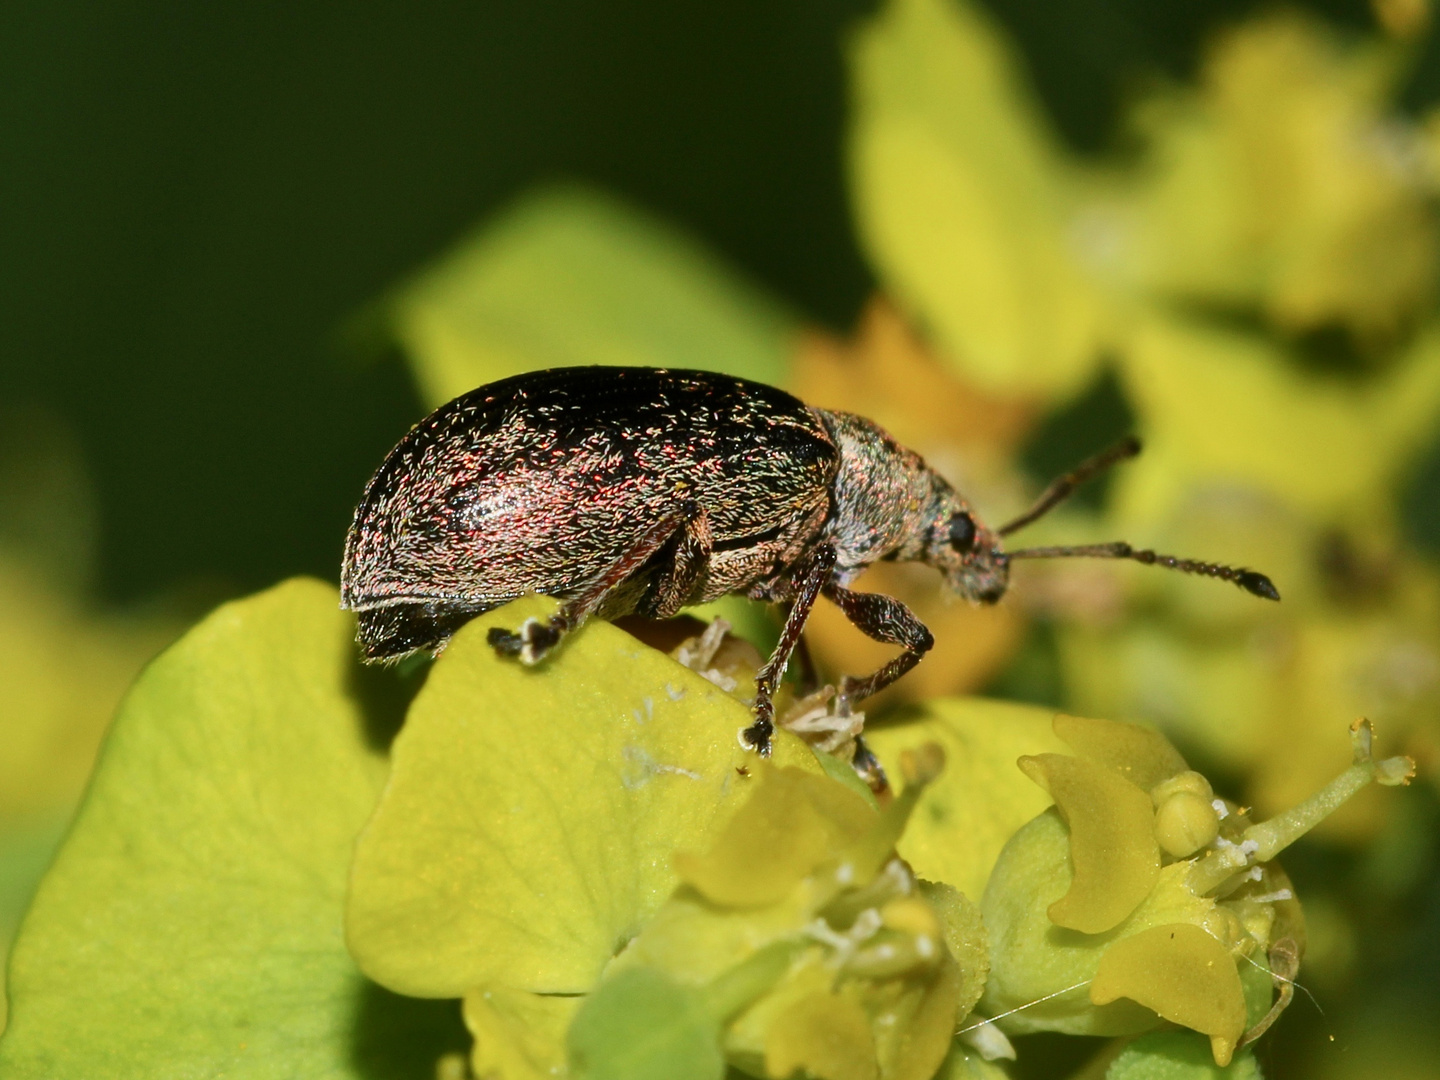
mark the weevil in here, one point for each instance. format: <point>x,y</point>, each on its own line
<point>641,490</point>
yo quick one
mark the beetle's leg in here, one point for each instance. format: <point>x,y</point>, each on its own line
<point>808,583</point>
<point>535,638</point>
<point>884,619</point>
<point>809,676</point>
<point>868,766</point>
<point>675,583</point>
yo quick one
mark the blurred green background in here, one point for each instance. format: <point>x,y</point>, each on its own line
<point>202,204</point>
<point>198,197</point>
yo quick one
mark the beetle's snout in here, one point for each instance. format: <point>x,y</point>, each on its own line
<point>992,593</point>
<point>983,576</point>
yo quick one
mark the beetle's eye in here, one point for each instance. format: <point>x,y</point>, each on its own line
<point>962,533</point>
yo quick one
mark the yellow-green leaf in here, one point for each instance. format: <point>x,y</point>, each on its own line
<point>1223,408</point>
<point>26,846</point>
<point>518,1035</point>
<point>1259,194</point>
<point>527,829</point>
<point>190,925</point>
<point>1139,754</point>
<point>1184,974</point>
<point>795,821</point>
<point>1183,1055</point>
<point>825,1034</point>
<point>962,1063</point>
<point>964,935</point>
<point>642,1025</point>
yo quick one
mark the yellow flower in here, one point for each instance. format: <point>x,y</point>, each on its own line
<point>1281,183</point>
<point>1267,691</point>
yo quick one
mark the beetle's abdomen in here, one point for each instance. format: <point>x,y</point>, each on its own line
<point>538,483</point>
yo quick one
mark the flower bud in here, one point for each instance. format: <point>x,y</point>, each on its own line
<point>1185,823</point>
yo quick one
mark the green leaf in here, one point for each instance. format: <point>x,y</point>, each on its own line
<point>641,1025</point>
<point>527,829</point>
<point>191,923</point>
<point>569,277</point>
<point>1178,1055</point>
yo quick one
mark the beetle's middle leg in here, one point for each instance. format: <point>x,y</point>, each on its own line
<point>689,528</point>
<point>808,583</point>
<point>885,619</point>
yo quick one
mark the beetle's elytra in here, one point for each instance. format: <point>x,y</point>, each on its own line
<point>637,490</point>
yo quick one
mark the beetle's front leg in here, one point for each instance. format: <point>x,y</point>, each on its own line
<point>535,638</point>
<point>808,583</point>
<point>886,619</point>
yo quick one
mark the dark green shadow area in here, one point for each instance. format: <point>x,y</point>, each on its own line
<point>1046,1055</point>
<point>1098,418</point>
<point>384,693</point>
<point>399,1038</point>
<point>1034,673</point>
<point>1421,501</point>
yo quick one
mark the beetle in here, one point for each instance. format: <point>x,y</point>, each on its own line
<point>643,490</point>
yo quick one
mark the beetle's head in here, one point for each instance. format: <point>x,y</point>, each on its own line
<point>967,553</point>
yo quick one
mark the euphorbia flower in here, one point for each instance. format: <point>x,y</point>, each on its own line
<point>1140,896</point>
<point>877,966</point>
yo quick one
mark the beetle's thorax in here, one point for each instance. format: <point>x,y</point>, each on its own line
<point>889,504</point>
<point>885,495</point>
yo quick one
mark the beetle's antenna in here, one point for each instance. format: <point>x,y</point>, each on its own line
<point>1061,487</point>
<point>1250,580</point>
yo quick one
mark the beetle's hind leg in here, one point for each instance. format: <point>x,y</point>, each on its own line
<point>886,619</point>
<point>689,530</point>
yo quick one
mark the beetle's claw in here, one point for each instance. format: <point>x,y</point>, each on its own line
<point>538,639</point>
<point>504,642</point>
<point>756,737</point>
<point>533,640</point>
<point>867,766</point>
